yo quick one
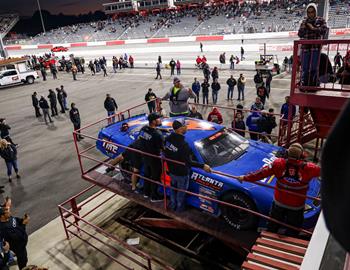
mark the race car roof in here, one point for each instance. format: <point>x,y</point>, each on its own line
<point>196,129</point>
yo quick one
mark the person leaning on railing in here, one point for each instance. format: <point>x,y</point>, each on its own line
<point>312,27</point>
<point>293,175</point>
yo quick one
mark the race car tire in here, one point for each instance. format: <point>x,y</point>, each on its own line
<point>30,79</point>
<point>238,219</point>
<point>125,165</point>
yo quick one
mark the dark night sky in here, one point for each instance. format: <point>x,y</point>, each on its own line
<point>67,7</point>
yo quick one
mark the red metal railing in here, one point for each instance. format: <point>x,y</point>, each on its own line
<point>76,224</point>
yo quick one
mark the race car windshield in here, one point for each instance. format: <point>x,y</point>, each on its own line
<point>222,147</point>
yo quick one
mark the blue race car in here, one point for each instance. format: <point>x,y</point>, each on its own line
<point>225,151</point>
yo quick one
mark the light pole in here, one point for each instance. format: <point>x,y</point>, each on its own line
<point>41,16</point>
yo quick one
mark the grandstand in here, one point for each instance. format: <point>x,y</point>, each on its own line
<point>7,21</point>
<point>213,18</point>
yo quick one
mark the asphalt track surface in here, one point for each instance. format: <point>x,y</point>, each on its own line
<point>47,157</point>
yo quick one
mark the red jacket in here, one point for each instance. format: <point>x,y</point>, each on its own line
<point>293,176</point>
<point>215,116</point>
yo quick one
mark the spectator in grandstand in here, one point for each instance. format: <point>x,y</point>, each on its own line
<point>293,175</point>
<point>43,72</point>
<point>4,131</point>
<point>152,143</point>
<point>312,27</point>
<point>262,93</point>
<point>215,87</point>
<point>158,70</point>
<point>45,107</point>
<point>242,53</point>
<point>150,98</point>
<point>172,65</point>
<point>53,102</point>
<point>74,116</point>
<point>13,231</point>
<point>268,82</point>
<point>64,98</point>
<point>74,72</point>
<point>131,61</point>
<point>257,105</point>
<point>240,86</point>
<point>178,97</point>
<point>133,158</point>
<point>176,148</point>
<point>215,74</point>
<point>8,152</point>
<point>205,91</point>
<point>231,83</point>
<point>53,70</point>
<point>258,80</point>
<point>60,99</point>
<point>35,103</point>
<point>201,46</point>
<point>194,113</point>
<point>215,116</point>
<point>196,87</point>
<point>238,124</point>
<point>111,107</point>
<point>178,67</point>
<point>252,124</point>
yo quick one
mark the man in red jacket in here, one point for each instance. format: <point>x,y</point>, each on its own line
<point>293,175</point>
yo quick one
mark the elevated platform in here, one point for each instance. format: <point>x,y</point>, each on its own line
<point>240,241</point>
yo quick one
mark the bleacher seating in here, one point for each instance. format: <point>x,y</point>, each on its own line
<point>209,19</point>
<point>7,21</point>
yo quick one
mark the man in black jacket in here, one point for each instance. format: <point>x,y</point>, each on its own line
<point>150,98</point>
<point>231,83</point>
<point>75,118</point>
<point>110,106</point>
<point>4,130</point>
<point>13,231</point>
<point>176,148</point>
<point>53,102</point>
<point>64,97</point>
<point>35,103</point>
<point>172,65</point>
<point>45,107</point>
<point>60,99</point>
<point>194,113</point>
<point>215,86</point>
<point>152,143</point>
<point>205,91</point>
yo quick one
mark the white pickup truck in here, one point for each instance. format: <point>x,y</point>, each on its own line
<point>13,76</point>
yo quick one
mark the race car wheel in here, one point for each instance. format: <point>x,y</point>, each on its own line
<point>238,219</point>
<point>30,80</point>
<point>125,165</point>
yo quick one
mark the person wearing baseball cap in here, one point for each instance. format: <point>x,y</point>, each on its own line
<point>178,97</point>
<point>293,175</point>
<point>176,148</point>
<point>152,143</point>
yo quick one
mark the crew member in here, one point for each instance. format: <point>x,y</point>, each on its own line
<point>178,99</point>
<point>176,148</point>
<point>152,143</point>
<point>293,175</point>
<point>75,119</point>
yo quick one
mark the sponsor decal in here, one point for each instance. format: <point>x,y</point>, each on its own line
<point>111,148</point>
<point>15,78</point>
<point>206,208</point>
<point>207,181</point>
<point>207,192</point>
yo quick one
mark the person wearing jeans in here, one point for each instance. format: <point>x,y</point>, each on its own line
<point>176,148</point>
<point>8,152</point>
<point>215,86</point>
<point>240,86</point>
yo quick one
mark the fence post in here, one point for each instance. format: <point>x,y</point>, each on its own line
<point>64,223</point>
<point>75,210</point>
